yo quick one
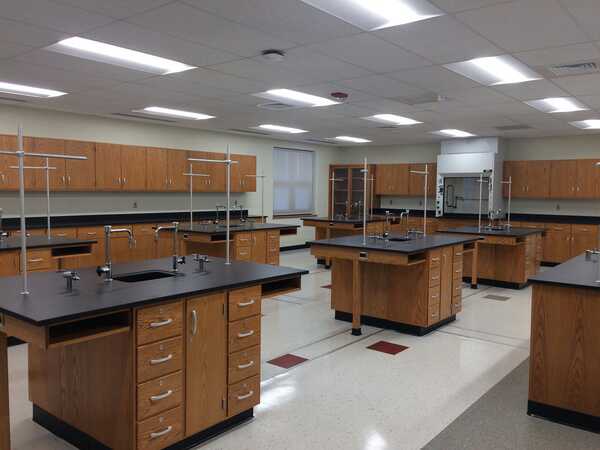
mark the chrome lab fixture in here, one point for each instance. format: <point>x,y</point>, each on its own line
<point>21,154</point>
<point>191,176</point>
<point>481,181</point>
<point>508,182</point>
<point>333,180</point>
<point>106,269</point>
<point>425,174</point>
<point>228,162</point>
<point>176,259</point>
<point>365,172</point>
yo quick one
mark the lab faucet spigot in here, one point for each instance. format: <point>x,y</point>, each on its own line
<point>106,269</point>
<point>3,234</point>
<point>176,258</point>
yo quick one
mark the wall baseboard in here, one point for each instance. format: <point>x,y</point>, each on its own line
<point>294,247</point>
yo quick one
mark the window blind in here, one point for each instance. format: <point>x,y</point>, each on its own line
<point>293,181</point>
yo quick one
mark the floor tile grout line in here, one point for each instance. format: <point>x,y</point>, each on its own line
<point>489,341</point>
<point>483,332</point>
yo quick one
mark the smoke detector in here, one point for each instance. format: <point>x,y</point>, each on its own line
<point>339,96</point>
<point>273,55</point>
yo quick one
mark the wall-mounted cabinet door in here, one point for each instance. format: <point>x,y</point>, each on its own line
<point>178,164</point>
<point>517,170</point>
<point>246,172</point>
<point>201,183</point>
<point>416,182</point>
<point>588,176</point>
<point>81,175</point>
<point>35,179</point>
<point>400,184</point>
<point>9,178</point>
<point>108,167</point>
<point>557,243</point>
<point>538,179</point>
<point>133,168</point>
<point>563,179</point>
<point>392,179</point>
<point>218,172</point>
<point>157,178</point>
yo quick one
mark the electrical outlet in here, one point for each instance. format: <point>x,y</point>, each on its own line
<point>135,205</point>
<point>391,202</point>
<point>558,206</point>
<point>420,202</point>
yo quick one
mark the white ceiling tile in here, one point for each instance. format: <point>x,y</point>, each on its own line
<point>532,90</point>
<point>220,80</point>
<point>560,55</point>
<point>453,6</point>
<point>382,106</point>
<point>10,49</point>
<point>479,96</point>
<point>369,51</point>
<point>593,101</point>
<point>383,86</point>
<point>292,20</point>
<point>580,84</point>
<point>434,78</point>
<point>509,108</point>
<point>186,87</point>
<point>587,14</point>
<point>69,19</point>
<point>326,89</point>
<point>442,39</point>
<point>187,22</point>
<point>119,9</point>
<point>525,25</point>
<point>272,74</point>
<point>149,96</point>
<point>31,35</point>
<point>134,37</point>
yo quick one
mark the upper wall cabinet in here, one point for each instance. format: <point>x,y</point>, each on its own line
<point>576,178</point>
<point>35,179</point>
<point>530,179</point>
<point>108,167</point>
<point>392,179</point>
<point>81,175</point>
<point>9,179</point>
<point>133,168</point>
<point>416,182</point>
<point>157,174</point>
<point>243,174</point>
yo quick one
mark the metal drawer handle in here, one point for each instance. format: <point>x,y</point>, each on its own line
<point>61,234</point>
<point>458,254</point>
<point>434,296</point>
<point>91,233</point>
<point>458,271</point>
<point>194,322</point>
<point>435,278</point>
<point>35,260</point>
<point>154,362</point>
<point>164,323</point>
<point>245,396</point>
<point>435,259</point>
<point>247,334</point>
<point>245,366</point>
<point>161,433</point>
<point>250,303</point>
<point>157,398</point>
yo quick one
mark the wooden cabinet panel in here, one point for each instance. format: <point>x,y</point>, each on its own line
<point>557,243</point>
<point>133,168</point>
<point>97,256</point>
<point>392,179</point>
<point>259,247</point>
<point>538,179</point>
<point>416,182</point>
<point>9,178</point>
<point>159,322</point>
<point>583,237</point>
<point>157,178</point>
<point>9,263</point>
<point>81,175</point>
<point>158,359</point>
<point>240,179</point>
<point>206,362</point>
<point>446,276</point>
<point>177,166</point>
<point>161,431</point>
<point>563,178</point>
<point>205,183</point>
<point>588,176</point>
<point>518,172</point>
<point>156,396</point>
<point>108,167</point>
<point>244,395</point>
<point>58,181</point>
<point>218,172</point>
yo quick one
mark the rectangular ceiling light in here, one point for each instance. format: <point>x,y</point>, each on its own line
<point>296,98</point>
<point>28,91</point>
<point>591,124</point>
<point>372,15</point>
<point>176,113</point>
<point>557,105</point>
<point>393,119</point>
<point>494,70</point>
<point>118,56</point>
<point>354,140</point>
<point>281,129</point>
<point>453,133</point>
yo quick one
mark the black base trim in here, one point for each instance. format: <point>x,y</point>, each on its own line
<point>497,283</point>
<point>83,441</point>
<point>549,264</point>
<point>11,341</point>
<point>294,247</point>
<point>415,330</point>
<point>356,332</point>
<point>564,416</point>
<point>474,286</point>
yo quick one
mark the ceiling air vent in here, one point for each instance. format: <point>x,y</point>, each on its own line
<point>318,141</point>
<point>134,116</point>
<point>277,106</point>
<point>513,127</point>
<point>581,68</point>
<point>241,130</point>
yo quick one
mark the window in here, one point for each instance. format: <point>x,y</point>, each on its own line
<point>293,181</point>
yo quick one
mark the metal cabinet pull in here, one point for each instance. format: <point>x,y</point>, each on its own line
<point>194,322</point>
<point>247,334</point>
<point>154,362</point>
<point>245,396</point>
<point>35,260</point>
<point>244,304</point>
<point>161,433</point>
<point>157,398</point>
<point>435,259</point>
<point>164,323</point>
<point>124,180</point>
<point>91,233</point>
<point>245,366</point>
<point>435,278</point>
<point>458,254</point>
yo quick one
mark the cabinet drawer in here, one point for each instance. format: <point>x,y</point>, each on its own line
<point>160,431</point>
<point>434,277</point>
<point>156,396</point>
<point>244,303</point>
<point>243,395</point>
<point>434,295</point>
<point>244,364</point>
<point>456,305</point>
<point>273,259</point>
<point>435,257</point>
<point>243,253</point>
<point>243,239</point>
<point>457,266</point>
<point>457,272</point>
<point>592,229</point>
<point>559,227</point>
<point>244,333</point>
<point>433,316</point>
<point>161,358</point>
<point>90,233</point>
<point>39,260</point>
<point>143,229</point>
<point>456,288</point>
<point>64,232</point>
<point>159,322</point>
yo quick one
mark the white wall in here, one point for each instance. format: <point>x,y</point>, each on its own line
<point>54,124</point>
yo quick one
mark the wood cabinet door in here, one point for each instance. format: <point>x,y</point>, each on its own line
<point>557,243</point>
<point>206,362</point>
<point>58,180</point>
<point>177,166</point>
<point>9,263</point>
<point>506,176</point>
<point>446,282</point>
<point>81,175</point>
<point>416,181</point>
<point>400,179</point>
<point>520,184</point>
<point>563,178</point>
<point>538,179</point>
<point>201,184</point>
<point>588,175</point>
<point>133,168</point>
<point>583,237</point>
<point>247,171</point>
<point>108,167</point>
<point>218,172</point>
<point>157,177</point>
<point>236,174</point>
<point>432,180</point>
<point>381,179</point>
<point>259,247</point>
<point>9,178</point>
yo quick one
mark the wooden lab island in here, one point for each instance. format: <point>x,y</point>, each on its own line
<point>564,369</point>
<point>141,363</point>
<point>413,286</point>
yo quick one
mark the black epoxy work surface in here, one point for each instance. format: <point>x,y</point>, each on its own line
<point>235,228</point>
<point>14,243</point>
<point>576,272</point>
<point>513,232</point>
<point>352,221</point>
<point>415,245</point>
<point>49,301</point>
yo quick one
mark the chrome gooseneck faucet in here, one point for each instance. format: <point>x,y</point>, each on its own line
<point>3,234</point>
<point>106,269</point>
<point>176,258</point>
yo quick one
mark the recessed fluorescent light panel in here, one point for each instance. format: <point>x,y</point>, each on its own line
<point>296,98</point>
<point>372,15</point>
<point>392,119</point>
<point>28,91</point>
<point>354,140</point>
<point>494,70</point>
<point>591,124</point>
<point>453,133</point>
<point>557,105</point>
<point>118,56</point>
<point>176,113</point>
<point>281,129</point>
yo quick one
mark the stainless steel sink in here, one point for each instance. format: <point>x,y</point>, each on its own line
<point>146,275</point>
<point>400,238</point>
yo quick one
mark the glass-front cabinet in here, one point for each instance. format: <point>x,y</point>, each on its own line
<point>346,191</point>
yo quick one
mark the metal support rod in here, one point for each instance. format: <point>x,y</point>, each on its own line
<point>425,190</point>
<point>21,152</point>
<point>480,199</point>
<point>509,183</point>
<point>365,172</point>
<point>371,180</point>
<point>191,175</point>
<point>333,179</point>
<point>44,155</point>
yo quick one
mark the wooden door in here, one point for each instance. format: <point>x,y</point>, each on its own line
<point>133,168</point>
<point>341,202</point>
<point>259,247</point>
<point>583,237</point>
<point>157,177</point>
<point>9,178</point>
<point>206,362</point>
<point>218,172</point>
<point>400,173</point>
<point>58,180</point>
<point>236,174</point>
<point>588,175</point>
<point>247,168</point>
<point>563,179</point>
<point>201,184</point>
<point>178,165</point>
<point>9,263</point>
<point>81,175</point>
<point>538,179</point>
<point>518,171</point>
<point>446,282</point>
<point>384,179</point>
<point>557,243</point>
<point>108,167</point>
<point>416,181</point>
<point>432,186</point>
